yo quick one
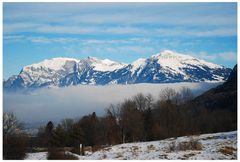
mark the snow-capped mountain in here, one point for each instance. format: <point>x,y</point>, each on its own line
<point>169,66</point>
<point>164,67</point>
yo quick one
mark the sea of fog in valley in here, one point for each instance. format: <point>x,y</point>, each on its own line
<point>56,104</point>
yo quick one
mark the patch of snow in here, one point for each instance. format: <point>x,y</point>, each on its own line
<point>113,82</point>
<point>92,81</point>
<point>107,65</point>
<point>36,156</point>
<point>140,63</point>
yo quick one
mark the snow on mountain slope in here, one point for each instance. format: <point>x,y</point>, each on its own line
<point>47,71</point>
<point>174,59</point>
<point>216,146</point>
<point>165,67</point>
<point>138,65</point>
<point>104,65</point>
<point>168,67</point>
<point>54,64</point>
<point>176,62</point>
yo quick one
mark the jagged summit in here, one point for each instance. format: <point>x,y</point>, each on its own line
<point>171,56</point>
<point>164,67</point>
<point>54,63</point>
<point>103,65</point>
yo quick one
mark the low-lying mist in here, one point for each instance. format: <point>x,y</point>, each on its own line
<point>75,101</point>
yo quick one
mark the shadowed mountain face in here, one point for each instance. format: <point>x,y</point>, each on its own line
<point>222,97</point>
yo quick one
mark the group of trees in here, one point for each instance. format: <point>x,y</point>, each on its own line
<point>124,122</point>
<point>14,140</point>
<point>143,119</point>
<point>140,118</point>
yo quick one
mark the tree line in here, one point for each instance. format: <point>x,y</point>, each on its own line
<point>141,118</point>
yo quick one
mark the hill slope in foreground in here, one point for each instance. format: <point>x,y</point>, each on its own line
<point>204,147</point>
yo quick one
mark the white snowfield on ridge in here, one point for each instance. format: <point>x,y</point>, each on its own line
<point>59,63</point>
<point>166,58</point>
<point>216,146</point>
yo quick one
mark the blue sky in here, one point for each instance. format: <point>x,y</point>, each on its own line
<point>121,32</point>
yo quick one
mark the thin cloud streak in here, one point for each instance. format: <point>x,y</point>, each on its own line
<point>130,13</point>
<point>119,30</point>
<point>226,56</point>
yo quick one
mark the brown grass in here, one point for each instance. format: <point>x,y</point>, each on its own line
<point>186,145</point>
<point>107,149</point>
<point>228,150</point>
<point>55,154</point>
<point>151,147</point>
<point>119,155</point>
<point>97,148</point>
<point>187,156</point>
<point>135,148</point>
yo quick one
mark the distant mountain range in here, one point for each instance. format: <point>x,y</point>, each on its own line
<point>164,67</point>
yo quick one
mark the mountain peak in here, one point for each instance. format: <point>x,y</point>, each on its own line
<point>177,60</point>
<point>53,63</point>
<point>168,54</point>
<point>101,65</point>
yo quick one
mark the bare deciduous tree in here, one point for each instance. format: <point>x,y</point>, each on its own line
<point>170,95</point>
<point>10,124</point>
<point>186,95</point>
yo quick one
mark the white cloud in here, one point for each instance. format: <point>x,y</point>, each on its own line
<point>225,56</point>
<point>122,18</point>
<point>124,13</point>
<point>63,40</point>
<point>11,37</point>
<point>197,32</point>
<point>120,30</point>
<point>132,49</point>
<point>38,39</point>
<point>206,56</point>
<point>228,56</point>
<point>76,101</point>
<point>17,27</point>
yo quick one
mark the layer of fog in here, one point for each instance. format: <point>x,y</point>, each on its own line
<point>73,102</point>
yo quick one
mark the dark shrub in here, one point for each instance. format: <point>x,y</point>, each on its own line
<point>56,154</point>
<point>14,147</point>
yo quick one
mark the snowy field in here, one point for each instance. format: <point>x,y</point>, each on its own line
<point>73,102</point>
<point>36,156</point>
<point>216,146</point>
